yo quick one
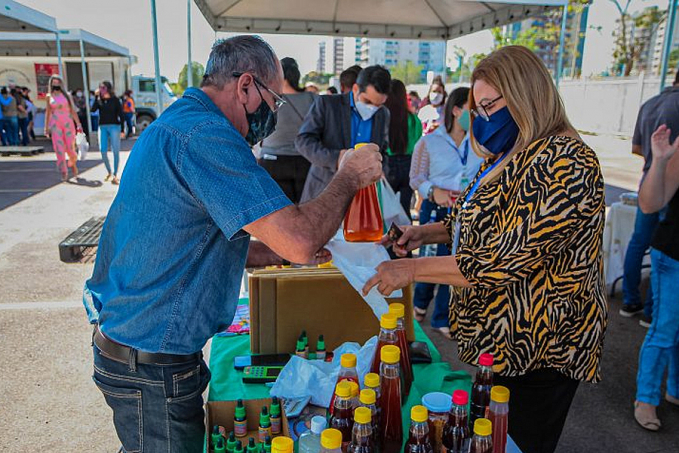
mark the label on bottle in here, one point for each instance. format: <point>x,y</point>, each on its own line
<point>264,433</point>
<point>240,428</point>
<point>275,425</point>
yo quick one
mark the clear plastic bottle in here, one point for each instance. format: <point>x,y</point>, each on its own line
<point>499,415</point>
<point>282,444</point>
<point>391,424</point>
<point>363,220</point>
<point>331,441</point>
<point>430,249</point>
<point>387,336</point>
<point>310,441</point>
<point>368,399</point>
<point>481,388</point>
<point>372,381</point>
<point>482,442</point>
<point>362,433</point>
<point>456,434</point>
<point>347,373</point>
<point>399,310</point>
<point>419,440</point>
<point>342,418</point>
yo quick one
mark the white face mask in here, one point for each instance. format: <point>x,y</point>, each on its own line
<point>435,98</point>
<point>79,94</point>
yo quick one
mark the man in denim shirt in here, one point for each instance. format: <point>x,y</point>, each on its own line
<point>174,244</point>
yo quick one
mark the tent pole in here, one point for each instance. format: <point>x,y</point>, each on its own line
<point>86,87</point>
<point>156,62</point>
<point>562,43</point>
<point>61,66</point>
<point>188,28</point>
<point>669,31</point>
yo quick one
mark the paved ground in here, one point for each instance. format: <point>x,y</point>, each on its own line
<point>47,397</point>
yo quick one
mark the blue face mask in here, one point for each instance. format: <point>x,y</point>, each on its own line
<point>262,122</point>
<point>497,135</point>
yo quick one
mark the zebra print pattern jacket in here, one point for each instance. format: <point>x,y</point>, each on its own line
<point>531,247</point>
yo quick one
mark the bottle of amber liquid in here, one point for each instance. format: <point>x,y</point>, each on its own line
<point>363,220</point>
<point>391,424</point>
<point>419,440</point>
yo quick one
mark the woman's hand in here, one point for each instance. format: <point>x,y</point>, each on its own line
<point>79,128</point>
<point>412,238</point>
<point>391,275</point>
<point>661,148</point>
<point>445,198</point>
<point>47,133</point>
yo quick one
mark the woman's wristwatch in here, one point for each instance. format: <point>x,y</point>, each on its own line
<point>430,194</point>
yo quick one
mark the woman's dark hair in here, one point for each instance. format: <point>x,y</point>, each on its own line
<point>458,98</point>
<point>291,72</point>
<point>332,89</point>
<point>397,103</point>
<point>377,76</point>
<point>109,88</point>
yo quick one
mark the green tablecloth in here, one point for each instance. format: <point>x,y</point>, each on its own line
<point>227,385</point>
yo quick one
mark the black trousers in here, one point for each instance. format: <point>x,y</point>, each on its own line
<point>538,406</point>
<point>289,172</point>
<point>398,176</point>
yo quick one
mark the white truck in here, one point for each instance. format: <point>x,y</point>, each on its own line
<point>146,102</point>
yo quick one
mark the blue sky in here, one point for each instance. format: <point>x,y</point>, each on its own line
<point>128,22</point>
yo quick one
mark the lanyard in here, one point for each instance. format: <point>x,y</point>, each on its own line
<point>463,156</point>
<point>474,188</point>
<point>482,175</point>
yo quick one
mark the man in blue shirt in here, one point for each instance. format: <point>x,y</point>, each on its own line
<point>173,248</point>
<point>337,123</point>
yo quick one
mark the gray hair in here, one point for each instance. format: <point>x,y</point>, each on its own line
<point>243,53</point>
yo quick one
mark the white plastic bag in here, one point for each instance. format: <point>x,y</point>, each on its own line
<point>357,261</point>
<point>316,379</point>
<point>392,210</point>
<point>82,144</point>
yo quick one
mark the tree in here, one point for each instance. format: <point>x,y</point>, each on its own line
<point>408,72</point>
<point>317,78</point>
<point>183,79</point>
<point>630,47</point>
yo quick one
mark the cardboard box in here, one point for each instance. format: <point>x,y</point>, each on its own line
<point>222,412</point>
<point>283,302</point>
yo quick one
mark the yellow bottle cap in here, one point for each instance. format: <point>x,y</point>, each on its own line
<point>327,265</point>
<point>372,380</point>
<point>362,415</point>
<point>282,444</point>
<point>499,394</point>
<point>368,396</point>
<point>483,427</point>
<point>354,389</point>
<point>348,361</point>
<point>419,414</point>
<point>359,145</point>
<point>343,389</point>
<point>390,354</point>
<point>398,310</point>
<point>331,439</point>
<point>388,321</point>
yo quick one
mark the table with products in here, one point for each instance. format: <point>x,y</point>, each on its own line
<point>226,383</point>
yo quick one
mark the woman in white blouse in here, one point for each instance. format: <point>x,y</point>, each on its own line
<point>442,165</point>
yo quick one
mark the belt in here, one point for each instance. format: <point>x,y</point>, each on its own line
<point>122,353</point>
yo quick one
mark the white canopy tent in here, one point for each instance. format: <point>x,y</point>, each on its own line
<point>395,19</point>
<point>72,42</point>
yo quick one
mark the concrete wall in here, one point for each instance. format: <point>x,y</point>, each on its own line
<point>608,106</point>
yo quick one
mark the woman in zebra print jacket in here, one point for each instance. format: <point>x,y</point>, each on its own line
<point>527,267</point>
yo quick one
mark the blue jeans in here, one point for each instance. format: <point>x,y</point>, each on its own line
<point>644,227</point>
<point>95,122</point>
<point>660,350</point>
<point>110,133</point>
<point>23,127</point>
<point>11,126</point>
<point>155,407</point>
<point>129,123</point>
<point>424,292</point>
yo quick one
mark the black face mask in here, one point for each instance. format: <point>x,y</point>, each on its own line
<point>262,121</point>
<point>57,88</point>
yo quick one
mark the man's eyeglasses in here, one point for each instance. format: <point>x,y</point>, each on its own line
<point>482,109</point>
<point>278,100</point>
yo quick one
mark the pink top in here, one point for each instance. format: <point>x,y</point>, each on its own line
<point>61,110</point>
